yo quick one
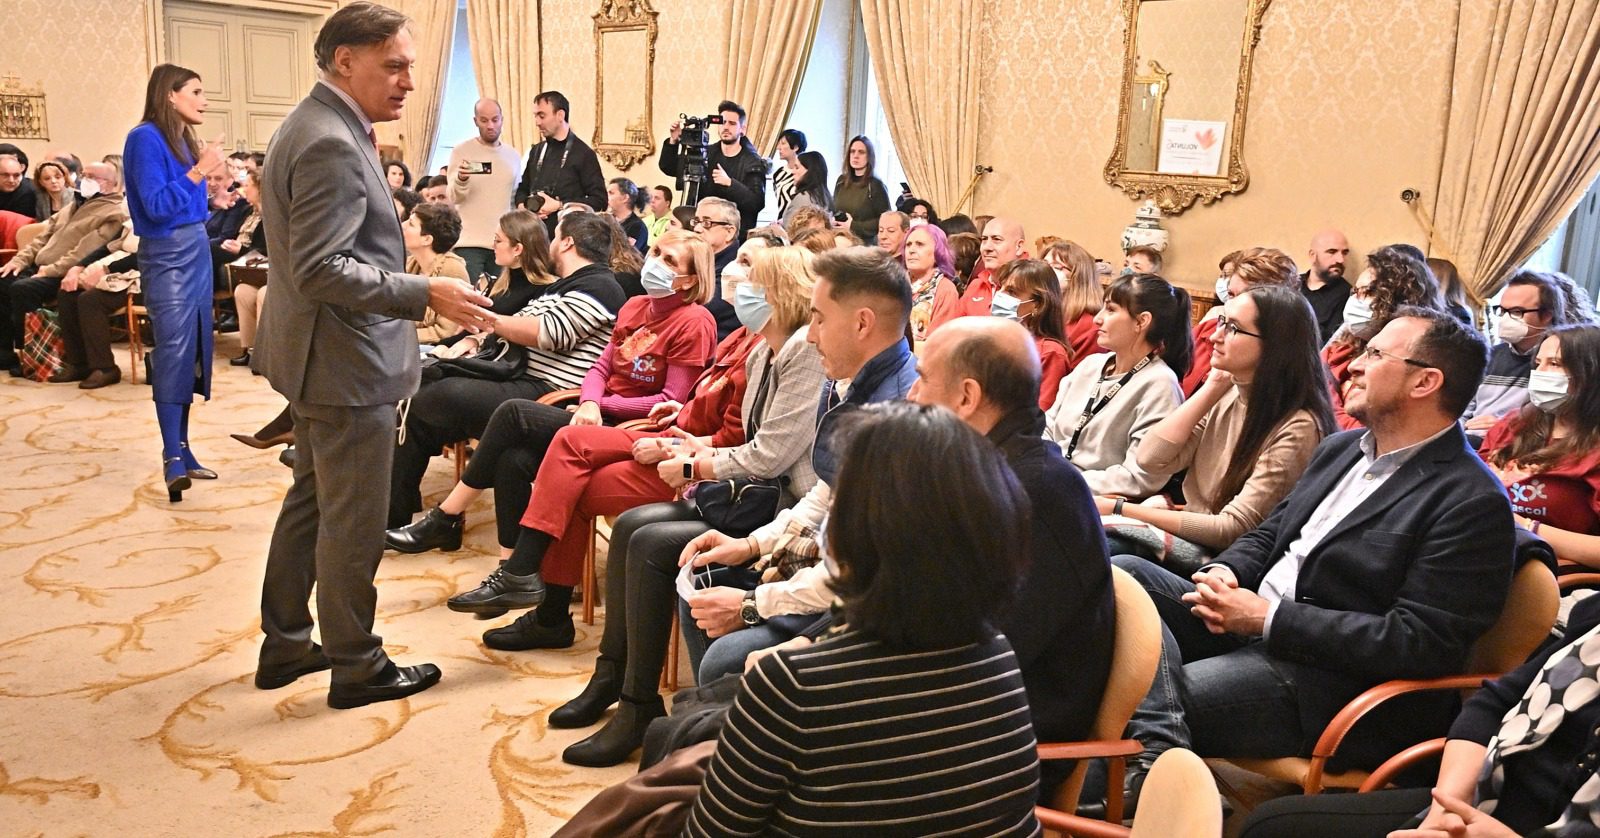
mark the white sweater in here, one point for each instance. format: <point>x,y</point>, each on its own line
<point>485,197</point>
<point>1107,450</point>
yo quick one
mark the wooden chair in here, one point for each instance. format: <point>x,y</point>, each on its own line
<point>1529,613</point>
<point>134,312</point>
<point>1135,650</point>
<point>27,233</point>
<point>1179,800</point>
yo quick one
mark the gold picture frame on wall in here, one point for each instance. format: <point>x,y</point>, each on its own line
<point>1174,193</point>
<point>622,124</point>
<point>22,113</point>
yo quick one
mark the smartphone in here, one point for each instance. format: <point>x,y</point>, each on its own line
<point>480,167</point>
<point>841,217</point>
<point>905,187</point>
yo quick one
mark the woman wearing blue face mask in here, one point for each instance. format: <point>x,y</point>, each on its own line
<point>1392,279</point>
<point>1548,453</point>
<point>1026,291</point>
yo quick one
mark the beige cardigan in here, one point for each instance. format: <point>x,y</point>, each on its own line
<point>433,328</point>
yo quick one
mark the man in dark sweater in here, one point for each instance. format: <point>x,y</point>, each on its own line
<point>16,190</point>
<point>563,168</point>
<point>1324,284</point>
<point>735,171</point>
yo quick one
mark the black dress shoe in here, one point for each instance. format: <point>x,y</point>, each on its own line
<point>68,374</point>
<point>624,734</point>
<point>498,592</point>
<point>242,361</point>
<point>437,530</point>
<point>100,378</point>
<point>227,324</point>
<point>528,633</point>
<point>286,456</point>
<point>603,690</point>
<point>284,674</point>
<point>390,683</point>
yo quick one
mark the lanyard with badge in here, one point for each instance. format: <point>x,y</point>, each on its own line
<point>1093,407</point>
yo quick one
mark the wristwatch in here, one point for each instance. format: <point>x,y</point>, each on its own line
<point>748,612</point>
<point>688,469</point>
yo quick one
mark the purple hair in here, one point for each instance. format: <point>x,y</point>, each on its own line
<point>944,261</point>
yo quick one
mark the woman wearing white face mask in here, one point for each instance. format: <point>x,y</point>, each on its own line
<point>1530,305</point>
<point>1026,292</point>
<point>1392,279</point>
<point>1548,453</point>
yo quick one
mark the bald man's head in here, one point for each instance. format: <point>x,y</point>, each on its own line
<point>1002,242</point>
<point>1329,251</point>
<point>983,368</point>
<point>486,115</point>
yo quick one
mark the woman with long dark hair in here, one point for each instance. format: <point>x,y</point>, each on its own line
<point>1243,446</point>
<point>1110,401</point>
<point>859,194</point>
<point>810,186</point>
<point>1026,291</point>
<point>1081,296</point>
<point>167,168</point>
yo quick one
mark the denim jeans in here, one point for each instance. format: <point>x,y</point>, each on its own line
<point>713,658</point>
<point>1219,695</point>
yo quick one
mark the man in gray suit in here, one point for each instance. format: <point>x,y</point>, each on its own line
<point>336,339</point>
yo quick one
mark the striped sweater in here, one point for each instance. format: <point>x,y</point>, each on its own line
<point>575,318</point>
<point>849,737</point>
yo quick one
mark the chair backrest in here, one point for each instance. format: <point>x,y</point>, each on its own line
<point>1525,622</point>
<point>28,233</point>
<point>1135,651</point>
<point>1179,799</point>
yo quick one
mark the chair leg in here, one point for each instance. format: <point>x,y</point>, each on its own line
<point>135,349</point>
<point>1116,769</point>
<point>669,671</point>
<point>458,452</point>
<point>588,573</point>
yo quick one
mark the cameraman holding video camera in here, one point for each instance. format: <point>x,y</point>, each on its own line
<point>731,169</point>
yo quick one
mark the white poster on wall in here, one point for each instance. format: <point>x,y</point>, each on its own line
<point>1191,147</point>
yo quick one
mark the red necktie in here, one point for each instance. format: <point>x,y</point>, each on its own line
<point>372,134</point>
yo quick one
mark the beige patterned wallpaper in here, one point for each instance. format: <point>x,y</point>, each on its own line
<point>90,57</point>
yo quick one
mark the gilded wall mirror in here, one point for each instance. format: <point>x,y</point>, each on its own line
<point>1185,93</point>
<point>624,78</point>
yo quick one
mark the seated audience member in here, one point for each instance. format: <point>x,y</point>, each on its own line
<point>717,221</point>
<point>910,718</point>
<point>966,250</point>
<point>1506,770</point>
<point>958,224</point>
<point>1530,306</point>
<point>1110,401</point>
<point>431,233</point>
<point>660,346</point>
<point>1081,294</point>
<point>33,276</point>
<point>845,238</point>
<point>54,187</point>
<point>858,310</point>
<point>1388,559</point>
<point>1392,279</point>
<point>1324,284</point>
<point>227,214</point>
<point>561,332</point>
<point>921,211</point>
<point>397,173</point>
<point>1043,242</point>
<point>810,193</point>
<point>660,211</point>
<point>805,219</point>
<point>405,200</point>
<point>624,201</point>
<point>1548,452</point>
<point>106,281</point>
<point>626,260</point>
<point>1452,289</point>
<point>1243,447</point>
<point>1026,293</point>
<point>817,241</point>
<point>892,227</point>
<point>1142,259</point>
<point>682,219</point>
<point>1241,270</point>
<point>1001,243</point>
<point>17,193</point>
<point>250,245</point>
<point>931,269</point>
<point>1580,308</point>
<point>435,189</point>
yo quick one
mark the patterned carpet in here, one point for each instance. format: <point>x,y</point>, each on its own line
<point>129,634</point>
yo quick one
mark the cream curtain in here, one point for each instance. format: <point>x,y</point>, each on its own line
<point>1522,143</point>
<point>925,55</point>
<point>433,28</point>
<point>505,55</point>
<point>768,44</point>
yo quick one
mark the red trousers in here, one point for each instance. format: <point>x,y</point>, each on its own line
<point>588,471</point>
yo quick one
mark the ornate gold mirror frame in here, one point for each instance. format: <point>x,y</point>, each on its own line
<point>1175,193</point>
<point>616,17</point>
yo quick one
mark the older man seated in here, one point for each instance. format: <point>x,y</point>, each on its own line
<point>34,275</point>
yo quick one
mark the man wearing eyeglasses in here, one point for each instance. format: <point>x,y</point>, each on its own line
<point>1388,560</point>
<point>717,221</point>
<point>735,170</point>
<point>1530,306</point>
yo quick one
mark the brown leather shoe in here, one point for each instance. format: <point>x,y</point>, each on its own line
<point>68,374</point>
<point>101,378</point>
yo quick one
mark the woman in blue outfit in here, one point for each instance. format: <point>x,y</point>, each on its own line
<point>166,173</point>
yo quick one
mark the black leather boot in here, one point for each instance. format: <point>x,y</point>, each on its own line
<point>603,690</point>
<point>436,530</point>
<point>624,734</point>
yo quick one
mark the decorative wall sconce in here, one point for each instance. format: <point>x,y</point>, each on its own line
<point>22,113</point>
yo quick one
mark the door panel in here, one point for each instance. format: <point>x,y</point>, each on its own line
<point>255,65</point>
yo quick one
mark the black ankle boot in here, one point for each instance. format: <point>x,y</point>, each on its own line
<point>624,734</point>
<point>436,530</point>
<point>603,690</point>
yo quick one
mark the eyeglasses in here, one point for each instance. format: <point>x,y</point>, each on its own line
<point>1231,327</point>
<point>711,222</point>
<point>1518,313</point>
<point>1373,353</point>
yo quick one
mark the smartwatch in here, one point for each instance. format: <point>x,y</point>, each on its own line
<point>748,612</point>
<point>688,469</point>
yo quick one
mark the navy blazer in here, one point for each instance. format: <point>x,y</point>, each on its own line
<point>1401,588</point>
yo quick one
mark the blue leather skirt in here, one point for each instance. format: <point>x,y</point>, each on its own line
<point>175,273</point>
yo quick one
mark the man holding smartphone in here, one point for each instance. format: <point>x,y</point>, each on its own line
<point>483,176</point>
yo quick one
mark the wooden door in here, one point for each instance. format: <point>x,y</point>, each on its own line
<point>255,66</point>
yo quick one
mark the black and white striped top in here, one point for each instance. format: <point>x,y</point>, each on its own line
<point>576,316</point>
<point>848,737</point>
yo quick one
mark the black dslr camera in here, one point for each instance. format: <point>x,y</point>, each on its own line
<point>692,144</point>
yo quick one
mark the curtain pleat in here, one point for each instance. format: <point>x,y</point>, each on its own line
<point>505,57</point>
<point>768,45</point>
<point>433,28</point>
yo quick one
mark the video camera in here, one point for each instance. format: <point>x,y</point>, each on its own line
<point>692,144</point>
